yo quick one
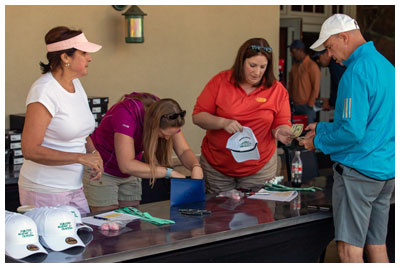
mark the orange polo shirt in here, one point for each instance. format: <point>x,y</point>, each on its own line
<point>262,110</point>
<point>304,82</point>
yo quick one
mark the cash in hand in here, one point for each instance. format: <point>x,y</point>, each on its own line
<point>297,129</point>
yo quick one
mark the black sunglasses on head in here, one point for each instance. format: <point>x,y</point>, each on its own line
<point>260,48</point>
<point>174,116</point>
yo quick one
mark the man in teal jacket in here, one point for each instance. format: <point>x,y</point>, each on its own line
<point>360,141</point>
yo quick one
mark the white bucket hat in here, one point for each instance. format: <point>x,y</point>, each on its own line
<point>21,236</point>
<point>78,219</point>
<point>243,145</point>
<point>335,24</point>
<point>56,227</point>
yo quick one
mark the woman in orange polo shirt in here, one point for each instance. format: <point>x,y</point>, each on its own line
<point>248,95</point>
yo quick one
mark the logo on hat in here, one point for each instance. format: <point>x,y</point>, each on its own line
<point>65,226</point>
<point>32,247</point>
<point>244,142</point>
<point>26,233</point>
<point>71,240</point>
<point>78,220</point>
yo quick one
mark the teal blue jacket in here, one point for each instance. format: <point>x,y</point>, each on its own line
<point>362,135</point>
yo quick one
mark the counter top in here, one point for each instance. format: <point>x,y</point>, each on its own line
<point>229,219</point>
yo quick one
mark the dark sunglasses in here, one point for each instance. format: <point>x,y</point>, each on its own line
<point>174,116</point>
<point>261,48</point>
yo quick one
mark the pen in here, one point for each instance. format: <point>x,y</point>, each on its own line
<point>254,193</point>
<point>319,207</point>
<point>101,218</point>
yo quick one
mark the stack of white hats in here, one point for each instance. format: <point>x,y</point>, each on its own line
<point>21,236</point>
<point>53,227</point>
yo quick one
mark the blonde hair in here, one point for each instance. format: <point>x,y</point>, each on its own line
<point>158,151</point>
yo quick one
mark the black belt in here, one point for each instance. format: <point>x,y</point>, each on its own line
<point>339,169</point>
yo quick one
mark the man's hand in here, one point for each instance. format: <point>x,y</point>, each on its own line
<point>307,142</point>
<point>311,127</point>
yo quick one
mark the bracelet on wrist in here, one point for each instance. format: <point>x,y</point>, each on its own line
<point>276,133</point>
<point>94,151</point>
<point>196,165</point>
<point>168,174</point>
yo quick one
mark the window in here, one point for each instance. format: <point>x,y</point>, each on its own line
<point>309,9</point>
<point>337,9</point>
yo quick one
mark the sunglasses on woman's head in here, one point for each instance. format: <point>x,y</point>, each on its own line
<point>174,116</point>
<point>260,48</point>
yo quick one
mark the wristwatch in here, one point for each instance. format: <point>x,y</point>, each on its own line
<point>169,171</point>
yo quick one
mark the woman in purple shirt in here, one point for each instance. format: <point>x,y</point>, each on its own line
<point>140,126</point>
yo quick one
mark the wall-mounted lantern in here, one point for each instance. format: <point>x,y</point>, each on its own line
<point>133,24</point>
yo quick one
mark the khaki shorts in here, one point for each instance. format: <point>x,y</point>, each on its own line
<point>109,190</point>
<point>216,182</point>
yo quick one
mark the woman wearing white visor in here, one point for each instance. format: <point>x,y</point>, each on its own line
<point>57,124</point>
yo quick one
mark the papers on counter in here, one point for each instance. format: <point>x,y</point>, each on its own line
<point>109,216</point>
<point>286,196</point>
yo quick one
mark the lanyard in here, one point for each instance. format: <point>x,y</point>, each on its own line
<point>145,216</point>
<point>282,188</point>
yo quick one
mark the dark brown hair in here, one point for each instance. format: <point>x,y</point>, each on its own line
<point>245,51</point>
<point>57,34</point>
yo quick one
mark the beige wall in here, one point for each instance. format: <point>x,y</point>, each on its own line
<point>184,47</point>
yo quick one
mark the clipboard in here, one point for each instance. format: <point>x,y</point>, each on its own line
<point>184,191</point>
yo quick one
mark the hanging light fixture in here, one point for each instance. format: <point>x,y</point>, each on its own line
<point>133,24</point>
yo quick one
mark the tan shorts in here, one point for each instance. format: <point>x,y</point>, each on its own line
<point>216,182</point>
<point>109,190</point>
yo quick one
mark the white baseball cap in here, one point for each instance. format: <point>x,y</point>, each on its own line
<point>56,228</point>
<point>335,24</point>
<point>21,236</point>
<point>243,145</point>
<point>78,219</point>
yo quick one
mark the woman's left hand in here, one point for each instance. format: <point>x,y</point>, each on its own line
<point>95,163</point>
<point>197,173</point>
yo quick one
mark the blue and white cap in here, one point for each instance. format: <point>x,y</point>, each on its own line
<point>243,145</point>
